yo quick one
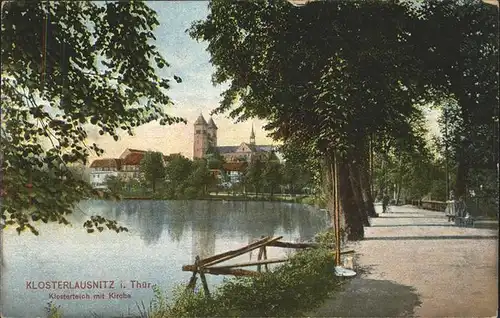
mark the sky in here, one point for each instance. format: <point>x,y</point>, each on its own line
<point>196,94</point>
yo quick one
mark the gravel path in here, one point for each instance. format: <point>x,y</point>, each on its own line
<point>414,263</point>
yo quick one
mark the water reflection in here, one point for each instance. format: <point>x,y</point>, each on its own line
<point>163,236</point>
<point>205,218</point>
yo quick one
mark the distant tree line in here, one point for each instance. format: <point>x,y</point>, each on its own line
<point>178,177</point>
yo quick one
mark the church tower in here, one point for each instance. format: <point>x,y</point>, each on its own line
<point>252,137</point>
<point>212,133</point>
<point>200,137</point>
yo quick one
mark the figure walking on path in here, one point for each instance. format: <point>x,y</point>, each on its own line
<point>385,203</point>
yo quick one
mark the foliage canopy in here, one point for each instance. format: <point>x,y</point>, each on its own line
<point>69,68</point>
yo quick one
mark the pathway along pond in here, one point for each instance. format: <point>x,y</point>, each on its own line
<point>108,274</point>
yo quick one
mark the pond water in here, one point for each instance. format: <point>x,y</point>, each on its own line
<point>88,274</point>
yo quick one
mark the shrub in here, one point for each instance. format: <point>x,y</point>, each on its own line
<point>53,311</point>
<point>326,238</point>
<point>293,288</point>
<point>190,192</point>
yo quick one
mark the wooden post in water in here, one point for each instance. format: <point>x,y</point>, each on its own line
<point>202,276</point>
<point>192,282</point>
<point>259,257</point>
<point>261,254</point>
<point>205,284</point>
<point>265,257</point>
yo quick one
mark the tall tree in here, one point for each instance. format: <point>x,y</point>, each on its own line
<point>407,168</point>
<point>115,184</point>
<point>301,168</point>
<point>214,158</point>
<point>200,177</point>
<point>272,173</point>
<point>69,68</point>
<point>459,40</point>
<point>326,76</point>
<point>254,175</point>
<point>215,161</point>
<point>177,170</point>
<point>152,168</point>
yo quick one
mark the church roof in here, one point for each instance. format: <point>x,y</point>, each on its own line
<point>200,121</point>
<point>227,149</point>
<point>266,148</point>
<point>211,123</point>
<point>257,148</point>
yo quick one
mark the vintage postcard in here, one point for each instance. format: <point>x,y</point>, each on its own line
<point>261,158</point>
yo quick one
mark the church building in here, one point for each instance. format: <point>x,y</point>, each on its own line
<point>205,138</point>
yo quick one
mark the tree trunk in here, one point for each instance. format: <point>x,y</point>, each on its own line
<point>461,181</point>
<point>350,210</point>
<point>399,184</point>
<point>398,195</point>
<point>365,167</point>
<point>360,176</point>
<point>351,220</point>
<point>465,105</point>
<point>354,179</point>
<point>366,190</point>
<point>462,173</point>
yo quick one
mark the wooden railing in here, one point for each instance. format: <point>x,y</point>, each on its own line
<point>206,266</point>
<point>430,205</point>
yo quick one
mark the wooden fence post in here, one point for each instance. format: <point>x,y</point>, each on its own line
<point>199,268</point>
<point>192,282</point>
<point>259,257</point>
<point>204,282</point>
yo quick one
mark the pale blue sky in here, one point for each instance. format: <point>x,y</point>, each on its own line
<point>189,60</point>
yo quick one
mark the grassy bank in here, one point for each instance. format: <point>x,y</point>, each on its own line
<point>292,289</point>
<point>315,201</point>
<point>226,197</point>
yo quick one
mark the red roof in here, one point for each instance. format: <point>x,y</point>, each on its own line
<point>133,159</point>
<point>106,163</point>
<point>234,166</point>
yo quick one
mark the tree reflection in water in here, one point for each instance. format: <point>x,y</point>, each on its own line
<point>204,221</point>
<point>203,232</point>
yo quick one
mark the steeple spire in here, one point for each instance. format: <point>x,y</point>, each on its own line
<point>201,120</point>
<point>211,123</point>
